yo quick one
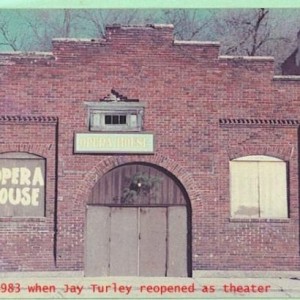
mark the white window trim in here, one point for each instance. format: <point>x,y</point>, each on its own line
<point>257,158</point>
<point>260,161</point>
<point>116,108</point>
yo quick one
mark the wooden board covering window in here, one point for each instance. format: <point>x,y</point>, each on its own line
<point>244,189</point>
<point>258,187</point>
<point>272,188</point>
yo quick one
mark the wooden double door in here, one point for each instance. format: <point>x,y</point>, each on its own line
<point>136,241</point>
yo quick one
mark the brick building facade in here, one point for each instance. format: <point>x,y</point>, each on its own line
<point>211,119</point>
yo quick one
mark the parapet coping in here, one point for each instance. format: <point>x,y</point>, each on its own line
<point>6,58</point>
<point>161,25</point>
<point>176,42</point>
<point>26,53</point>
<point>287,77</point>
<point>141,26</point>
<point>80,40</point>
<point>250,58</point>
<point>196,43</point>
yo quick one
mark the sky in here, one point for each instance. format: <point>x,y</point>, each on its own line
<point>16,24</point>
<point>148,3</point>
<point>15,12</point>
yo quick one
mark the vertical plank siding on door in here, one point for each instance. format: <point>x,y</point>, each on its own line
<point>123,241</point>
<point>153,241</point>
<point>136,241</point>
<point>146,237</point>
<point>97,255</point>
<point>177,241</point>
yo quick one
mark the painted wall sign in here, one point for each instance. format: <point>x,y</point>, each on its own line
<point>22,186</point>
<point>114,143</point>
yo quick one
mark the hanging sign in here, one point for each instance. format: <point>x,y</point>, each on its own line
<point>114,143</point>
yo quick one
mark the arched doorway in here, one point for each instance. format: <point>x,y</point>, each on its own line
<point>138,224</point>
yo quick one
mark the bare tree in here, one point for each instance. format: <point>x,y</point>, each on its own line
<point>247,31</point>
<point>284,29</point>
<point>189,24</point>
<point>95,21</point>
<point>39,27</point>
<point>10,37</point>
<point>44,25</point>
<point>241,31</point>
<point>253,32</point>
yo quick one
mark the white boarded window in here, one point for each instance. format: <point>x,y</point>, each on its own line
<point>258,187</point>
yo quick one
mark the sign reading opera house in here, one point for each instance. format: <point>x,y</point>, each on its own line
<point>113,143</point>
<point>138,148</point>
<point>22,185</point>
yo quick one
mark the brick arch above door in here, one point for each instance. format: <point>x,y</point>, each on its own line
<point>170,166</point>
<point>137,184</point>
<point>148,234</point>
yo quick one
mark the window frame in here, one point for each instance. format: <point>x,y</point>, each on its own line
<point>103,109</point>
<point>262,201</point>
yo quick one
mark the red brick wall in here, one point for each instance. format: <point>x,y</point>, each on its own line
<point>28,242</point>
<point>187,88</point>
<point>259,244</point>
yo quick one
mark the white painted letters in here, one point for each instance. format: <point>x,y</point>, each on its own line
<point>38,177</point>
<point>20,186</point>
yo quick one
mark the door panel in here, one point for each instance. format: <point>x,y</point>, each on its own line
<point>153,245</point>
<point>124,241</point>
<point>136,241</point>
<point>97,241</point>
<point>177,241</point>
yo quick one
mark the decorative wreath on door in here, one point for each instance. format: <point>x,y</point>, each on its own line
<point>140,184</point>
